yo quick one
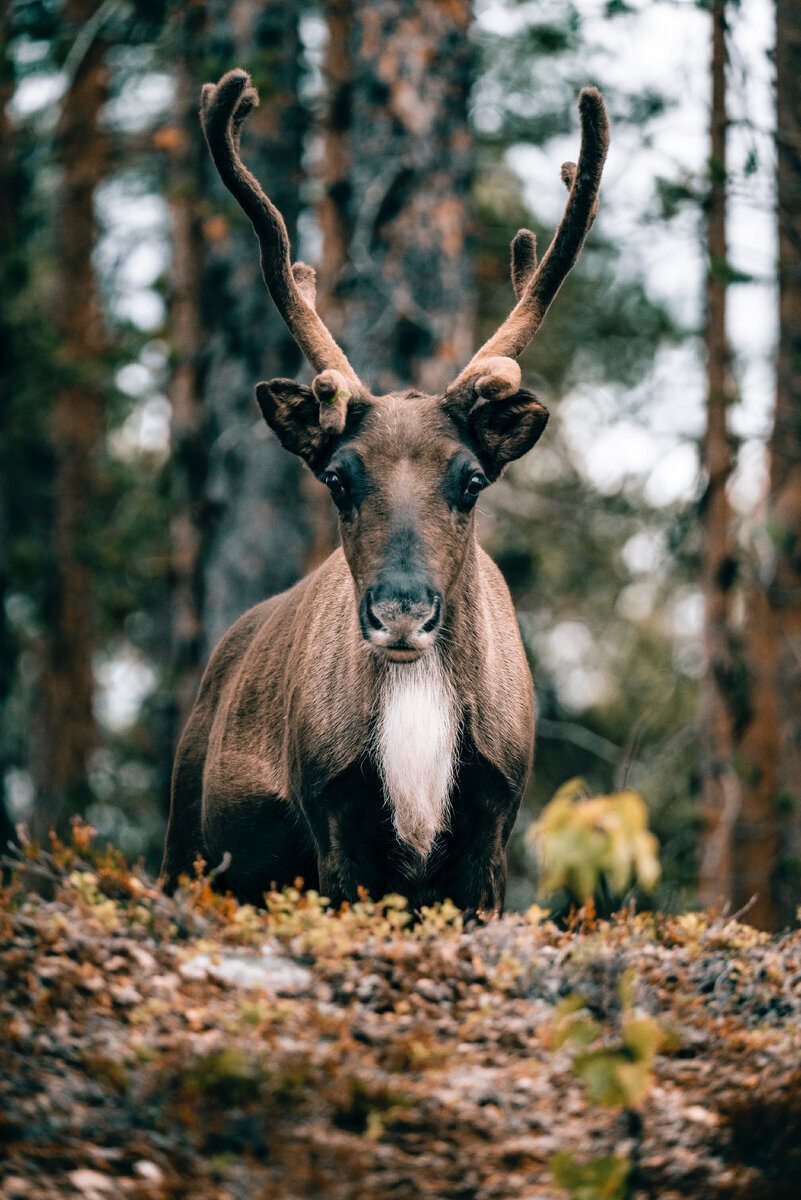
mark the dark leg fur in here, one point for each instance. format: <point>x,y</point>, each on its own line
<point>353,835</point>
<point>344,840</point>
<point>269,846</point>
<point>471,871</point>
<point>184,840</point>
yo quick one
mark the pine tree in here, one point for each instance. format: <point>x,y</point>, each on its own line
<point>396,272</point>
<point>261,530</point>
<point>10,239</point>
<point>189,462</point>
<point>784,593</point>
<point>66,730</point>
<point>720,800</point>
<point>240,528</point>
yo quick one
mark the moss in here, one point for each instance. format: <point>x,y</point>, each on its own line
<point>225,1077</point>
<point>361,1103</point>
<point>785,803</point>
<point>289,1088</point>
<point>216,1165</point>
<point>789,868</point>
<point>106,1071</point>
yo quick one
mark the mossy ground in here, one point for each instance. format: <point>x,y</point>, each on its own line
<point>193,1047</point>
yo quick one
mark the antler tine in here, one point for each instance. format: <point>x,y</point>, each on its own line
<point>583,181</point>
<point>524,260</point>
<point>223,109</point>
<point>306,279</point>
<point>524,243</point>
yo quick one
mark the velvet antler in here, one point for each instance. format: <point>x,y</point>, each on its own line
<point>524,260</point>
<point>493,370</point>
<point>223,109</point>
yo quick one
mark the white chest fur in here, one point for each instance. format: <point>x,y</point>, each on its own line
<point>415,747</point>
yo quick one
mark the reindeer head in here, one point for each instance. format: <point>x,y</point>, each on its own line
<point>404,470</point>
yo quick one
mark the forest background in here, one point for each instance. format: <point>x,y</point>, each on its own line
<point>652,542</point>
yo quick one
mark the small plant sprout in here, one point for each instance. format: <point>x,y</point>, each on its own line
<point>590,844</point>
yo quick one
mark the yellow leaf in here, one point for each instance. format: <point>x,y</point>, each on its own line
<point>643,1037</point>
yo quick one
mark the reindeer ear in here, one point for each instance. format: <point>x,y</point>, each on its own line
<point>506,428</point>
<point>293,412</point>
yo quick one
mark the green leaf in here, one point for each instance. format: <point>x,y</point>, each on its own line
<point>581,1030</point>
<point>598,1070</point>
<point>633,1080</point>
<point>582,841</point>
<point>625,988</point>
<point>722,271</point>
<point>643,1037</point>
<point>602,1178</point>
<point>572,790</point>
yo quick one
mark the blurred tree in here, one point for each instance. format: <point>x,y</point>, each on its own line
<point>29,374</point>
<point>240,529</point>
<point>616,688</point>
<point>261,529</point>
<point>784,593</point>
<point>751,743</point>
<point>66,732</point>
<point>12,191</point>
<point>114,533</point>
<point>720,719</point>
<point>189,425</point>
<point>398,164</point>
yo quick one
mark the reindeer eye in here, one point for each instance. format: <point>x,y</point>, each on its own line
<point>475,484</point>
<point>334,485</point>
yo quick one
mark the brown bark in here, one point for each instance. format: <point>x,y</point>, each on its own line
<point>334,214</point>
<point>766,842</point>
<point>241,526</point>
<point>784,593</point>
<point>755,836</point>
<point>740,713</point>
<point>334,208</point>
<point>9,246</point>
<point>183,144</point>
<point>397,165</point>
<point>261,523</point>
<point>720,796</point>
<point>66,726</point>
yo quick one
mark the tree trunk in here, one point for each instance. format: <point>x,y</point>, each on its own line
<point>784,593</point>
<point>720,796</point>
<point>739,728</point>
<point>260,528</point>
<point>766,843</point>
<point>755,841</point>
<point>66,726</point>
<point>9,249</point>
<point>398,167</point>
<point>241,530</point>
<point>183,143</point>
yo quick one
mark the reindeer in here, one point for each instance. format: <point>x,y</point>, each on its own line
<point>373,727</point>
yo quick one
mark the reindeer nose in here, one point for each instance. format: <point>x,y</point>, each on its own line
<point>402,619</point>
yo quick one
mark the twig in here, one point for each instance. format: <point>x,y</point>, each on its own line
<point>632,743</point>
<point>222,866</point>
<point>579,735</point>
<point>87,34</point>
<point>746,908</point>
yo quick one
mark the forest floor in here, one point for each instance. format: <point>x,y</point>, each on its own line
<point>154,1048</point>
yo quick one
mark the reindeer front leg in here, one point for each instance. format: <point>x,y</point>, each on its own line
<point>474,876</point>
<point>472,871</point>
<point>349,825</point>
